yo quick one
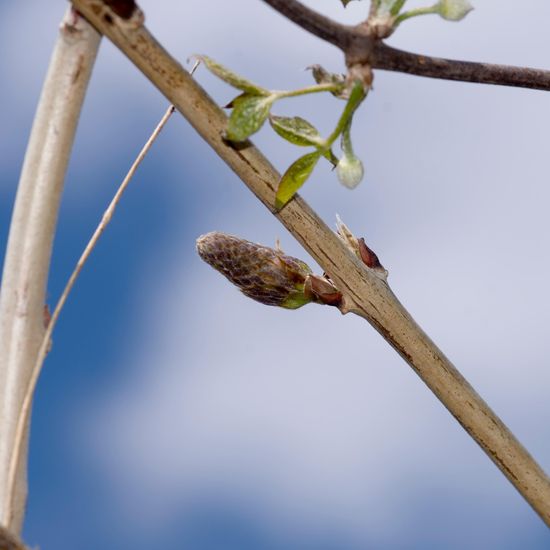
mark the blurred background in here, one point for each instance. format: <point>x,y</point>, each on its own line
<point>173,412</point>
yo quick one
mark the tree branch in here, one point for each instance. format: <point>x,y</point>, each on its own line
<point>28,252</point>
<point>359,46</point>
<point>314,22</point>
<point>390,59</point>
<point>364,292</point>
<point>10,542</point>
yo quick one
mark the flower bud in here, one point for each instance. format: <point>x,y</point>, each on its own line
<point>264,274</point>
<point>454,10</point>
<point>350,171</point>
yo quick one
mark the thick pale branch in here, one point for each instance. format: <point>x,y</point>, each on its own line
<point>365,293</point>
<point>29,246</point>
<point>9,542</point>
<point>358,46</point>
<point>43,349</point>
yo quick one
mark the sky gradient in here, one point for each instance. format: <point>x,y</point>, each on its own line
<point>173,411</point>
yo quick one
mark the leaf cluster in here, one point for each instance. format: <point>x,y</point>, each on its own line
<point>252,108</point>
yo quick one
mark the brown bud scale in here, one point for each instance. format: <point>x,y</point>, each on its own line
<point>264,274</point>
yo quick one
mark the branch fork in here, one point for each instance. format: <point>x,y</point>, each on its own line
<point>362,45</point>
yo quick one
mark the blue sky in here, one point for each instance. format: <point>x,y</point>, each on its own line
<point>173,411</point>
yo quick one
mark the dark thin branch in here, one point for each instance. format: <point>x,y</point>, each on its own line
<point>390,59</point>
<point>314,22</point>
<point>359,47</point>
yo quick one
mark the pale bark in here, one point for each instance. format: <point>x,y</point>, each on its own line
<point>26,266</point>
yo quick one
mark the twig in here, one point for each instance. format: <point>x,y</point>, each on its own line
<point>365,293</point>
<point>43,350</point>
<point>22,295</point>
<point>314,22</point>
<point>358,46</point>
<point>391,59</point>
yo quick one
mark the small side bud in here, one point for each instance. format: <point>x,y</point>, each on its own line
<point>454,10</point>
<point>350,171</point>
<point>322,76</point>
<point>322,290</point>
<point>358,247</point>
<point>264,274</point>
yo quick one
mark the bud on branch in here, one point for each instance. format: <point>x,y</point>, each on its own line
<point>270,277</point>
<point>265,274</point>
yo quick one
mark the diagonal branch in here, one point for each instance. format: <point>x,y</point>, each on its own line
<point>358,46</point>
<point>365,293</point>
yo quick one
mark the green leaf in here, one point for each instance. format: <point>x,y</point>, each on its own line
<point>385,7</point>
<point>249,114</point>
<point>296,130</point>
<point>296,175</point>
<point>346,2</point>
<point>322,76</point>
<point>232,78</point>
<point>231,104</point>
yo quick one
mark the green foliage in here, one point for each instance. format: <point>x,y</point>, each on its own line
<point>253,106</point>
<point>389,6</point>
<point>390,11</point>
<point>322,76</point>
<point>248,115</point>
<point>296,130</point>
<point>296,175</point>
<point>232,78</point>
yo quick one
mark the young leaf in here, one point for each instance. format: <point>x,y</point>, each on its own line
<point>322,76</point>
<point>232,78</point>
<point>346,2</point>
<point>296,130</point>
<point>231,104</point>
<point>296,175</point>
<point>249,114</point>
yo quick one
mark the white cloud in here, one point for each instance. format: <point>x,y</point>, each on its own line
<point>308,416</point>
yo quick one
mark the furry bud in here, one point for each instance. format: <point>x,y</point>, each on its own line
<point>264,274</point>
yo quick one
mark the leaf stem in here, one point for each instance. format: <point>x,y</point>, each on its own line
<point>396,8</point>
<point>347,147</point>
<point>309,90</point>
<point>415,13</point>
<point>357,95</point>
